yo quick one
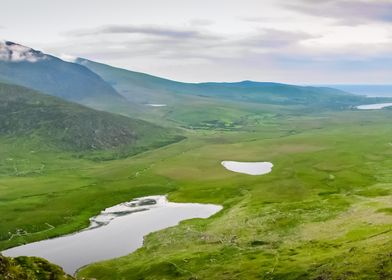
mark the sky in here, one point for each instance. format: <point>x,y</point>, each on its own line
<point>290,41</point>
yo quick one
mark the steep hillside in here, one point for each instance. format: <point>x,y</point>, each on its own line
<point>69,126</point>
<point>138,87</point>
<point>27,67</point>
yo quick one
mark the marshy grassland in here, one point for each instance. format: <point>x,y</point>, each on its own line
<point>324,212</point>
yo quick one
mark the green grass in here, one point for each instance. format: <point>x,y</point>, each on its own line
<point>30,268</point>
<point>30,118</point>
<point>298,222</point>
<point>323,212</point>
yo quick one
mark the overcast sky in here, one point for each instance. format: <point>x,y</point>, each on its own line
<point>293,41</point>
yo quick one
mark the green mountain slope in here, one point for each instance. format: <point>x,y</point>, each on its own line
<point>51,75</point>
<point>138,87</point>
<point>69,126</point>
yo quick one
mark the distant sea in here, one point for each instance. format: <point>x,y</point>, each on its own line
<point>367,90</point>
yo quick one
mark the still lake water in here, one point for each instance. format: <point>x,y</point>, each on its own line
<point>117,231</point>
<point>250,168</point>
<point>156,105</point>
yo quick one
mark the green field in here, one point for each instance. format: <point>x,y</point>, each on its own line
<point>323,213</point>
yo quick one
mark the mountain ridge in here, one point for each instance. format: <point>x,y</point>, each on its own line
<point>142,88</point>
<point>34,69</point>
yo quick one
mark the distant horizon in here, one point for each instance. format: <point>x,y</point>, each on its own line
<point>73,60</point>
<point>221,40</point>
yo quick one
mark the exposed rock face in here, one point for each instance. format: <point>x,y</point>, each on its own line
<point>12,52</point>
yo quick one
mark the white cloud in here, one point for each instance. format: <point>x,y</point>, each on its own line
<point>293,41</point>
<point>67,57</point>
<point>346,12</point>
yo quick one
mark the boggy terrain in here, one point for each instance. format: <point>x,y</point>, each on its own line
<point>323,212</point>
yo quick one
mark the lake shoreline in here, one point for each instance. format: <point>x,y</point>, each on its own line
<point>117,231</point>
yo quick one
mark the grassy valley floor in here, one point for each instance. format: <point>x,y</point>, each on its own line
<point>324,212</point>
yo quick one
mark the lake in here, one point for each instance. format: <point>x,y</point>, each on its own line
<point>250,168</point>
<point>116,231</point>
<point>156,105</point>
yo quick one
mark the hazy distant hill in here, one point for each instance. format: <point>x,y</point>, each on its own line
<point>143,88</point>
<point>27,67</point>
<point>69,126</point>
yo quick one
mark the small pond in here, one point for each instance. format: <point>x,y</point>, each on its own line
<point>250,168</point>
